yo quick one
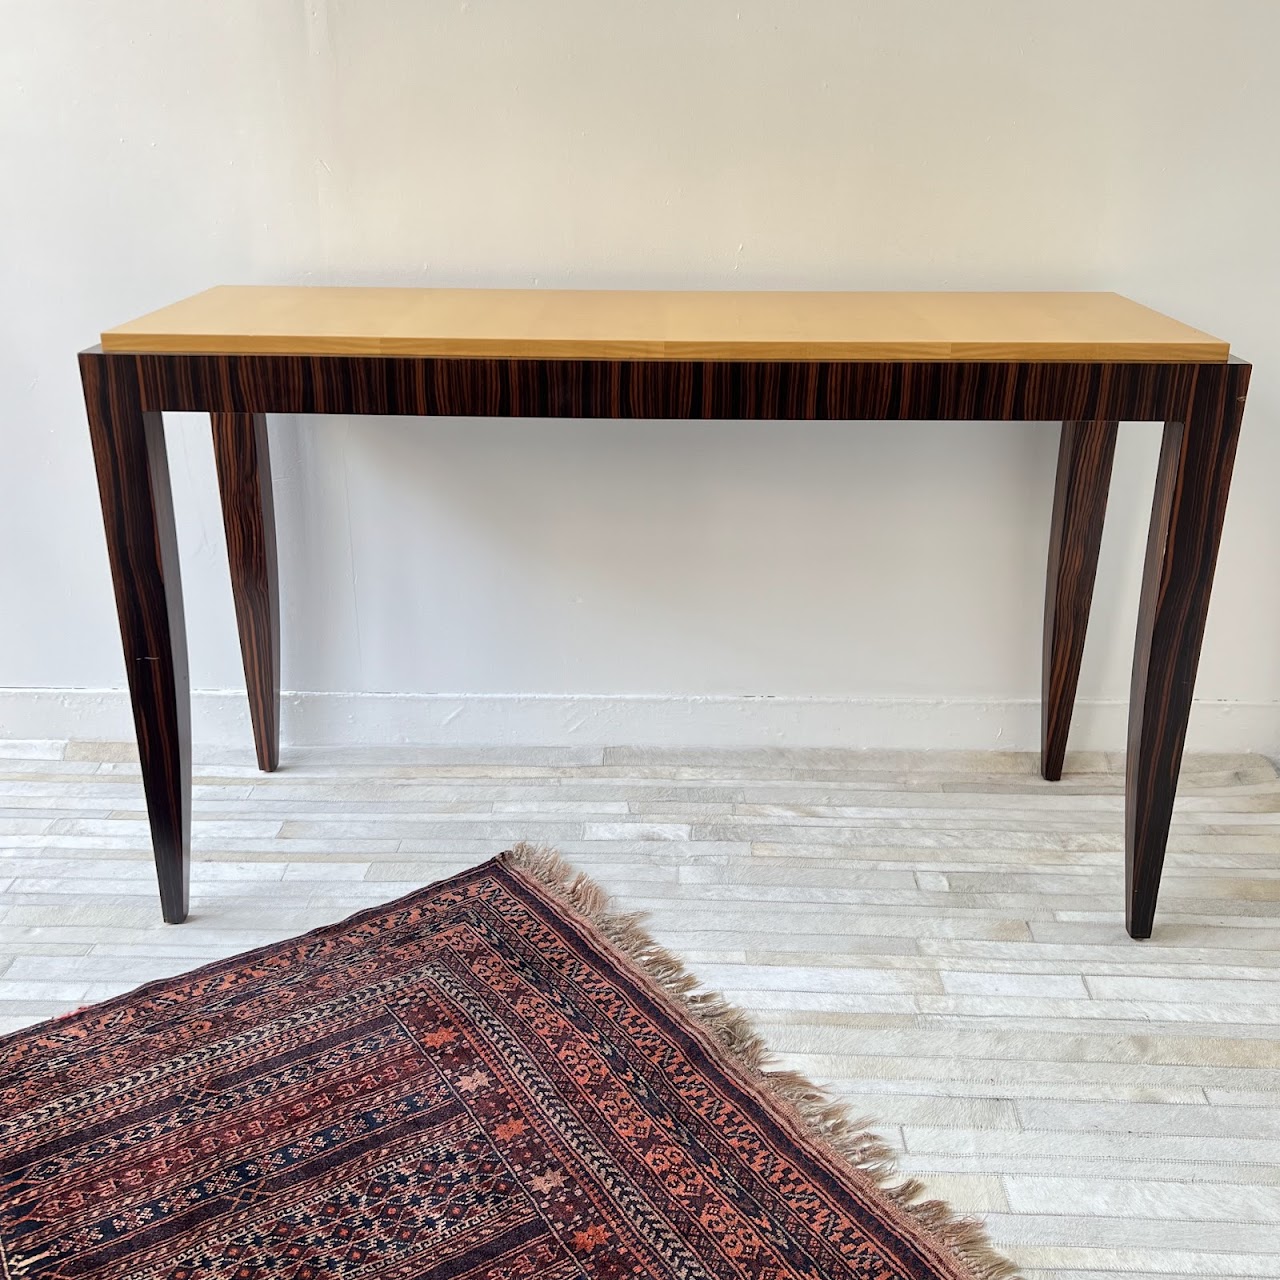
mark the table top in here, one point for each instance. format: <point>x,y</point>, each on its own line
<point>652,325</point>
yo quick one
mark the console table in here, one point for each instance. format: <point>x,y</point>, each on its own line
<point>1085,360</point>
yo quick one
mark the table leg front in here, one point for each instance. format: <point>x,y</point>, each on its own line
<point>1085,455</point>
<point>1192,481</point>
<point>248,515</point>
<point>137,512</point>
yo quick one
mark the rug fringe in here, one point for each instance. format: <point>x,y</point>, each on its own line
<point>827,1120</point>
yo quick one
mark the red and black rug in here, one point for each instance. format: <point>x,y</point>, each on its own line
<point>490,1078</point>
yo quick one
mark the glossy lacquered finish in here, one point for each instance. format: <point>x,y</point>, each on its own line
<point>1200,403</point>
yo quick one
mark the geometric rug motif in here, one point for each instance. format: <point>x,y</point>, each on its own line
<point>490,1078</point>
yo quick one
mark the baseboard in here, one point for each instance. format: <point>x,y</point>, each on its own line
<point>220,718</point>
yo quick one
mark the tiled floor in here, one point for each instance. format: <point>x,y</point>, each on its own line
<point>936,937</point>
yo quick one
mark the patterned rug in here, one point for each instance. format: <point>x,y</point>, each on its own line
<point>490,1078</point>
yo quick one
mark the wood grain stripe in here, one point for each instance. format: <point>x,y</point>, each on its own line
<point>983,391</point>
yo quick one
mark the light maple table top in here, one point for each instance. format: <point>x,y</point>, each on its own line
<point>653,325</point>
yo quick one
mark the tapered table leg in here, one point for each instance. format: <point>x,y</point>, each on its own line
<point>137,512</point>
<point>248,514</point>
<point>1192,481</point>
<point>1085,454</point>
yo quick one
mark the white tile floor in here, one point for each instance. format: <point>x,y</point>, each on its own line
<point>938,938</point>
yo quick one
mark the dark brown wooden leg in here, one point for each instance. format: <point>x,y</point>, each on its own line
<point>248,514</point>
<point>137,511</point>
<point>1085,454</point>
<point>1182,548</point>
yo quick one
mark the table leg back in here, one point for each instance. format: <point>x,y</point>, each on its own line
<point>1085,454</point>
<point>248,515</point>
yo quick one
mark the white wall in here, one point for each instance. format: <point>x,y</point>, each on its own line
<point>811,581</point>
